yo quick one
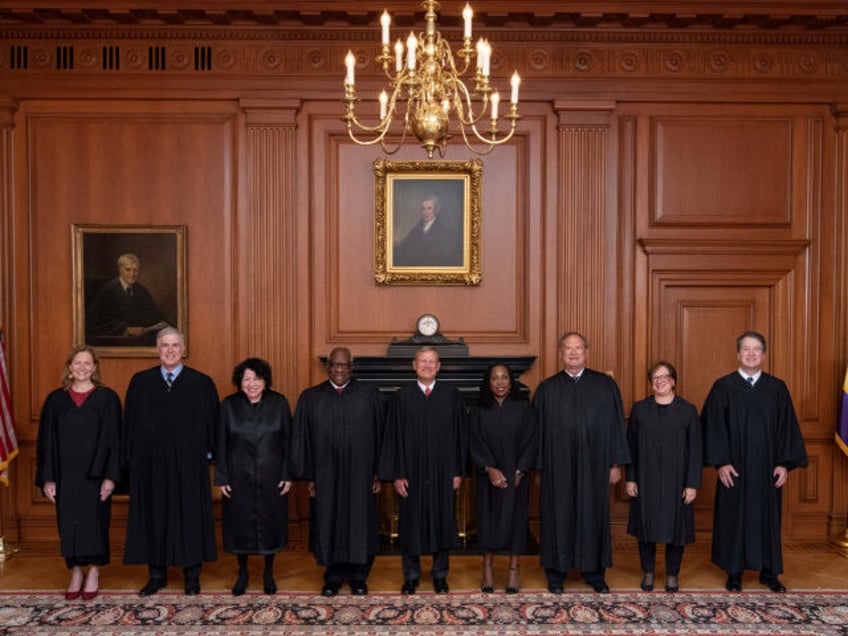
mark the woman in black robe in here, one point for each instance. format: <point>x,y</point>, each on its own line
<point>252,470</point>
<point>664,474</point>
<point>502,438</point>
<point>78,463</point>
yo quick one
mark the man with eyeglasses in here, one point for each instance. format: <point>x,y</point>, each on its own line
<point>581,445</point>
<point>752,438</point>
<point>335,446</point>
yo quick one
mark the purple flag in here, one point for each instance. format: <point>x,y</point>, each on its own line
<point>842,425</point>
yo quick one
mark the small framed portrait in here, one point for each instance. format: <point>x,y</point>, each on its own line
<point>129,282</point>
<point>427,222</point>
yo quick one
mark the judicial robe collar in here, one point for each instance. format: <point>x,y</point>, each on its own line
<point>745,376</point>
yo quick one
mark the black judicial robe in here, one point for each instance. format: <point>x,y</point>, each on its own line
<point>424,442</point>
<point>168,433</point>
<point>755,430</point>
<point>503,437</point>
<point>252,457</point>
<point>666,454</point>
<point>79,447</point>
<point>581,435</point>
<point>336,444</point>
<point>114,310</point>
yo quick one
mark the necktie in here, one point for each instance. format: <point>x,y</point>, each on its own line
<point>169,378</point>
<point>751,381</point>
<point>427,391</point>
<point>339,390</point>
<point>129,290</point>
<point>576,378</point>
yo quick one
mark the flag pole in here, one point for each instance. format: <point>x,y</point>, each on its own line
<point>840,542</point>
<point>8,442</point>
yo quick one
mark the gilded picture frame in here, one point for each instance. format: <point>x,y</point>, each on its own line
<point>428,222</point>
<point>129,281</point>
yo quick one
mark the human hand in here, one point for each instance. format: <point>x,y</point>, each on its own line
<point>284,487</point>
<point>457,482</point>
<point>615,475</point>
<point>49,490</point>
<point>631,488</point>
<point>135,331</point>
<point>518,477</point>
<point>225,491</point>
<point>689,495</point>
<point>401,487</point>
<point>106,489</point>
<point>780,476</point>
<point>496,477</point>
<point>726,474</point>
<point>376,486</point>
<point>310,488</point>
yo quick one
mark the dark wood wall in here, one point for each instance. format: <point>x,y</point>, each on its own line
<point>677,177</point>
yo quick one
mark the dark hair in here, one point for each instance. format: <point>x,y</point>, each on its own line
<point>568,334</point>
<point>259,366</point>
<point>756,335</point>
<point>672,372</point>
<point>487,398</point>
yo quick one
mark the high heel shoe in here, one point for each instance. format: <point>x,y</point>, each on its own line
<point>93,575</point>
<point>514,582</point>
<point>72,596</point>
<point>487,586</point>
<point>87,596</point>
<point>647,581</point>
<point>671,584</point>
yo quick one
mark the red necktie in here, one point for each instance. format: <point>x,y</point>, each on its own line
<point>339,390</point>
<point>427,391</point>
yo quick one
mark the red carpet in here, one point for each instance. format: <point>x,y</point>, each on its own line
<point>456,614</point>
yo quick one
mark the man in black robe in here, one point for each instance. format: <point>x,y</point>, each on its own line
<point>752,438</point>
<point>335,446</point>
<point>423,453</point>
<point>170,415</point>
<point>124,307</point>
<point>581,443</point>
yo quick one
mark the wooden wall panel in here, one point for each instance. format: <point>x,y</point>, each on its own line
<point>119,164</point>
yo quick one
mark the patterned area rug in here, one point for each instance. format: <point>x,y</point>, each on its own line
<point>457,614</point>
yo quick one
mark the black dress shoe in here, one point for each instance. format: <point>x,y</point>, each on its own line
<point>554,588</point>
<point>440,586</point>
<point>330,589</point>
<point>358,588</point>
<point>601,587</point>
<point>192,586</point>
<point>240,586</point>
<point>671,584</point>
<point>487,589</point>
<point>269,585</point>
<point>773,583</point>
<point>152,586</point>
<point>409,586</point>
<point>647,581</point>
<point>734,583</point>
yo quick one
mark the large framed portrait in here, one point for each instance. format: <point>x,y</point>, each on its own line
<point>427,222</point>
<point>129,282</point>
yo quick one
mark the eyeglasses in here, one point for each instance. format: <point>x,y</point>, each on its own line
<point>661,378</point>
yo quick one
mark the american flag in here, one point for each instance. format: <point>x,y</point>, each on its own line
<point>8,441</point>
<point>842,422</point>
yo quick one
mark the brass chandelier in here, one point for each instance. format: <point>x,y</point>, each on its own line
<point>427,92</point>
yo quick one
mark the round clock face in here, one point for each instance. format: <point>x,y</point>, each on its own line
<point>427,325</point>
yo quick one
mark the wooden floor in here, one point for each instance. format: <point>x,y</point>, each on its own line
<point>807,567</point>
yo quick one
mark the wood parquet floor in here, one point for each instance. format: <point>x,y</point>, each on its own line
<point>808,567</point>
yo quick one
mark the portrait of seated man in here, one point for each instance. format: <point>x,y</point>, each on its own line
<point>435,241</point>
<point>123,308</point>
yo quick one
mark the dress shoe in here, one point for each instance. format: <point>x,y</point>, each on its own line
<point>192,586</point>
<point>513,583</point>
<point>330,589</point>
<point>152,586</point>
<point>486,585</point>
<point>734,583</point>
<point>269,585</point>
<point>671,584</point>
<point>358,588</point>
<point>409,586</point>
<point>601,587</point>
<point>72,596</point>
<point>440,586</point>
<point>240,585</point>
<point>647,581</point>
<point>87,596</point>
<point>554,588</point>
<point>772,582</point>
